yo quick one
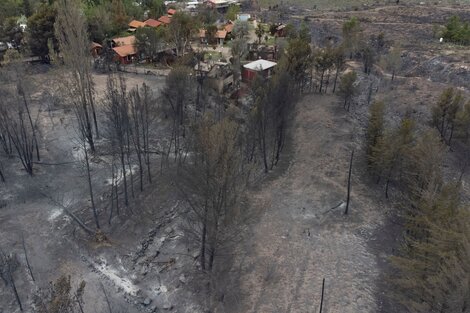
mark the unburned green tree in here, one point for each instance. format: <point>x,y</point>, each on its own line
<point>10,31</point>
<point>432,266</point>
<point>41,30</point>
<point>241,29</point>
<point>149,42</point>
<point>179,32</point>
<point>232,12</point>
<point>423,164</point>
<point>156,8</point>
<point>457,31</point>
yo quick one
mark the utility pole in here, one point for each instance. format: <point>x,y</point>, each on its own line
<point>349,183</point>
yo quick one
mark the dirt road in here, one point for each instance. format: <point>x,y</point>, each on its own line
<point>299,240</point>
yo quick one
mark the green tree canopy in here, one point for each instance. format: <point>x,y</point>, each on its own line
<point>241,29</point>
<point>10,31</point>
<point>149,42</point>
<point>156,8</point>
<point>232,12</point>
<point>457,31</point>
<point>41,29</point>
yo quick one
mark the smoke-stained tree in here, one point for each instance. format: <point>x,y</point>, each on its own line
<point>375,128</point>
<point>212,184</point>
<point>392,60</point>
<point>176,99</point>
<point>348,88</point>
<point>71,33</point>
<point>8,266</point>
<point>351,36</point>
<point>142,115</point>
<point>444,113</point>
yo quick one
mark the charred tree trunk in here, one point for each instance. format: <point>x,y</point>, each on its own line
<point>203,240</point>
<point>336,80</point>
<point>322,295</point>
<point>90,188</point>
<point>124,176</point>
<point>26,258</point>
<point>33,128</point>
<point>2,177</point>
<point>129,165</point>
<point>349,183</point>
<point>106,299</point>
<point>321,80</point>
<point>17,296</point>
<point>92,104</point>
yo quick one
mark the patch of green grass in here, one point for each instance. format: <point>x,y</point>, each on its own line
<point>123,33</point>
<point>212,55</point>
<point>271,40</point>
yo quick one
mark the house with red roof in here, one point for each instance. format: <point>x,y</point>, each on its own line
<point>261,67</point>
<point>152,23</point>
<point>165,20</point>
<point>125,54</point>
<point>171,11</point>
<point>134,24</point>
<point>220,35</point>
<point>95,49</point>
<point>124,49</point>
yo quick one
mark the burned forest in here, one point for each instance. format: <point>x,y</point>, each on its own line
<point>234,156</point>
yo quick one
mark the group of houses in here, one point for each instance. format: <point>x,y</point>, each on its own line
<point>219,37</point>
<point>218,75</point>
<point>124,48</point>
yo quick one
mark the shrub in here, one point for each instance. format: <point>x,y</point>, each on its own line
<point>457,31</point>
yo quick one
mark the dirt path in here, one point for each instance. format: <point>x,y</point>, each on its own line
<point>298,241</point>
